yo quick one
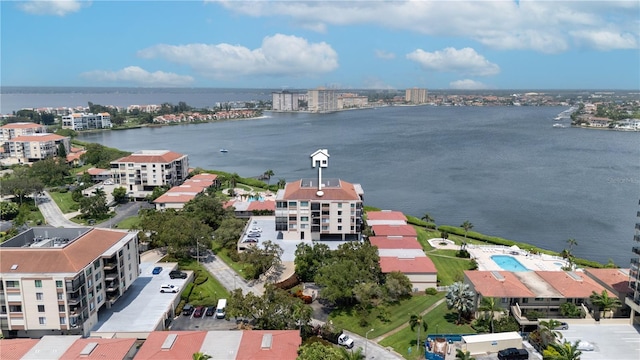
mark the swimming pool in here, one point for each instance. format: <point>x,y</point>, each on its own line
<point>508,263</point>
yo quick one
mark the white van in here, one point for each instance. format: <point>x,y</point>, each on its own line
<point>220,309</point>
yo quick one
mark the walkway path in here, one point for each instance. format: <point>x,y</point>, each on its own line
<point>406,325</point>
<point>51,212</point>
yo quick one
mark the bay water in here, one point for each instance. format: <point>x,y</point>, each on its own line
<point>504,169</point>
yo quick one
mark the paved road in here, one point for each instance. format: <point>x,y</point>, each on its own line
<point>51,212</point>
<point>124,211</point>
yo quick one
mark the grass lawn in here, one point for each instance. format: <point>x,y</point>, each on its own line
<point>208,292</point>
<point>450,268</point>
<point>440,321</point>
<point>128,223</point>
<point>223,254</point>
<point>398,316</point>
<point>64,201</point>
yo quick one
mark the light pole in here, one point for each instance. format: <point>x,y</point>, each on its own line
<point>366,337</point>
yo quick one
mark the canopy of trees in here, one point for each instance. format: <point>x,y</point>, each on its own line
<point>276,309</point>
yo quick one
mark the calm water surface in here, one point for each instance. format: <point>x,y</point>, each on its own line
<point>505,169</point>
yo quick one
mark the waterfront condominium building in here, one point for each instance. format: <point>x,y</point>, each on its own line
<point>633,294</point>
<point>13,130</point>
<point>336,214</point>
<point>416,96</point>
<point>54,280</point>
<point>82,121</point>
<point>38,146</point>
<point>145,170</point>
<point>322,100</point>
<point>286,100</point>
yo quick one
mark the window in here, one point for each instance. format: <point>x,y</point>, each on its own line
<point>88,272</point>
<point>339,227</point>
<point>525,300</point>
<point>60,296</point>
<point>63,320</point>
<point>42,320</point>
<point>99,287</point>
<point>292,204</point>
<point>292,218</point>
<point>40,308</point>
<point>304,203</point>
<point>325,228</point>
<point>339,212</point>
<point>38,283</point>
<point>339,221</point>
<point>12,284</point>
<point>304,226</point>
<point>60,308</point>
<point>39,296</point>
<point>15,308</point>
<point>504,300</point>
<point>96,264</point>
<point>129,266</point>
<point>98,276</point>
<point>58,283</point>
<point>339,205</point>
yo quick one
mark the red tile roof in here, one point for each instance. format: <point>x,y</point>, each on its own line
<point>386,215</point>
<point>262,205</point>
<point>394,230</point>
<point>174,198</point>
<point>204,176</point>
<point>581,287</point>
<point>284,345</point>
<point>69,259</point>
<point>37,138</point>
<point>15,349</point>
<point>21,125</point>
<point>488,285</point>
<point>105,349</point>
<point>417,265</point>
<point>345,191</point>
<point>404,242</point>
<point>185,345</point>
<point>617,279</point>
<point>165,157</point>
<point>95,171</point>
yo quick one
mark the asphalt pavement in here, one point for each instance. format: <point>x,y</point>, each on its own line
<point>51,212</point>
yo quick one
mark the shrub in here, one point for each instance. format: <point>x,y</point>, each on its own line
<point>463,254</point>
<point>431,291</point>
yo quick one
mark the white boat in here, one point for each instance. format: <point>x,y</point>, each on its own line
<point>558,126</point>
<point>224,150</point>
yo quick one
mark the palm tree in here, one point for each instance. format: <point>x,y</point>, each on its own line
<point>571,243</point>
<point>351,354</point>
<point>233,180</point>
<point>268,174</point>
<point>490,305</point>
<point>200,356</point>
<point>548,332</point>
<point>427,217</point>
<point>604,302</point>
<point>566,351</point>
<point>282,183</point>
<point>460,298</point>
<point>466,225</point>
<point>419,322</point>
<point>464,355</point>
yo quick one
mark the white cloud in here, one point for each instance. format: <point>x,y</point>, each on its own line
<point>467,84</point>
<point>543,26</point>
<point>52,7</point>
<point>139,76</point>
<point>278,55</point>
<point>605,40</point>
<point>381,54</point>
<point>463,61</point>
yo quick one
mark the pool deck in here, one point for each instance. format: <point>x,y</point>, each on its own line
<point>482,254</point>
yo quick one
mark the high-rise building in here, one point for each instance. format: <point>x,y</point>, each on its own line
<point>416,96</point>
<point>286,101</point>
<point>633,295</point>
<point>53,281</point>
<point>322,100</point>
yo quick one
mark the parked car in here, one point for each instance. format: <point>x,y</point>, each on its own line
<point>513,354</point>
<point>345,341</point>
<point>199,311</point>
<point>176,274</point>
<point>255,229</point>
<point>211,310</point>
<point>169,288</point>
<point>157,270</point>
<point>250,240</point>
<point>187,310</point>
<point>253,235</point>
<point>562,326</point>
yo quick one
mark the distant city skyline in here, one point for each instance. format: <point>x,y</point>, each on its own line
<point>471,45</point>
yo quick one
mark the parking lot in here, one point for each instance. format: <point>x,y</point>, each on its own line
<point>183,322</point>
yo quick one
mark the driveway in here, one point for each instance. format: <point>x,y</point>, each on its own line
<point>51,212</point>
<point>124,211</point>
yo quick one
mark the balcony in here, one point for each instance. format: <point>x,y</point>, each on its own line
<point>636,249</point>
<point>109,265</point>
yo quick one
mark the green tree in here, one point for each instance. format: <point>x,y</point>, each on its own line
<point>604,302</point>
<point>427,217</point>
<point>418,321</point>
<point>547,331</point>
<point>209,208</point>
<point>318,351</point>
<point>282,183</point>
<point>120,195</point>
<point>466,355</point>
<point>94,206</point>
<point>62,152</point>
<point>565,351</point>
<point>200,356</point>
<point>233,180</point>
<point>572,242</point>
<point>51,171</point>
<point>397,286</point>
<point>274,310</point>
<point>309,259</point>
<point>466,225</point>
<point>490,305</point>
<point>8,210</point>
<point>261,258</point>
<point>21,184</point>
<point>176,231</point>
<point>157,192</point>
<point>67,132</point>
<point>570,310</point>
<point>460,298</point>
<point>229,231</point>
<point>351,354</point>
<point>268,174</point>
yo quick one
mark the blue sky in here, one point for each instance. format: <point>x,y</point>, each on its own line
<point>305,44</point>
